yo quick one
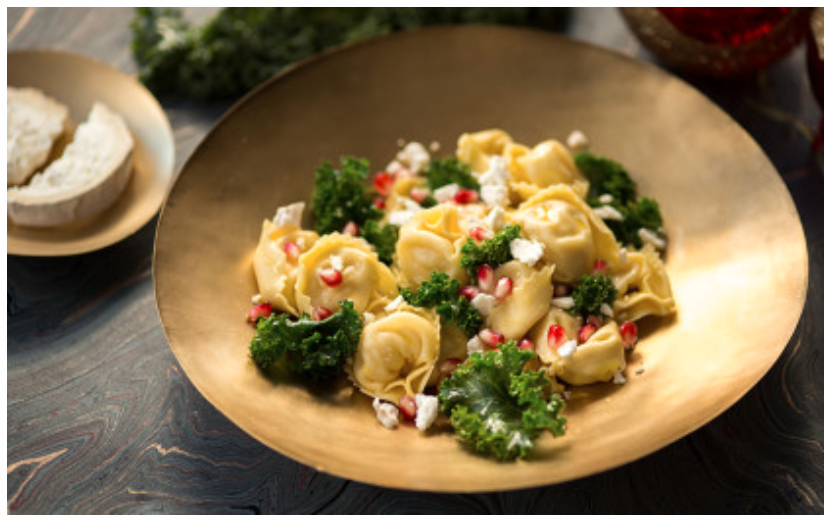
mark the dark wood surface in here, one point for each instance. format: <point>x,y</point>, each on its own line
<point>101,418</point>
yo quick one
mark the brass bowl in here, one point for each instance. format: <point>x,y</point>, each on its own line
<point>78,82</point>
<point>737,260</point>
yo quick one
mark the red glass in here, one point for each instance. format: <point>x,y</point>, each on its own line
<point>725,25</point>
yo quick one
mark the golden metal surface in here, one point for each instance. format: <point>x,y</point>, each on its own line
<point>77,82</point>
<point>737,259</point>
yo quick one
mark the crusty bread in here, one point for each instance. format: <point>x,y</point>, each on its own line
<point>89,176</point>
<point>34,121</point>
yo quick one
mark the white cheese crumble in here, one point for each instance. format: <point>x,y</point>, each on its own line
<point>387,413</point>
<point>399,218</point>
<point>619,378</point>
<point>622,256</point>
<point>495,220</point>
<point>290,215</point>
<point>606,198</point>
<point>568,349</point>
<point>445,193</point>
<point>257,299</point>
<point>495,195</point>
<point>606,310</point>
<point>427,406</point>
<point>394,304</point>
<point>526,251</point>
<point>577,140</point>
<point>414,156</point>
<point>484,303</point>
<point>608,213</point>
<point>651,237</point>
<point>474,345</point>
<point>434,146</point>
<point>563,302</point>
<point>494,181</point>
<point>337,262</point>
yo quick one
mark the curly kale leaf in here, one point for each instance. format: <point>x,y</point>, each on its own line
<point>591,292</point>
<point>441,293</point>
<point>383,237</point>
<point>643,214</point>
<point>442,172</point>
<point>317,349</point>
<point>498,408</point>
<point>342,196</point>
<point>493,252</point>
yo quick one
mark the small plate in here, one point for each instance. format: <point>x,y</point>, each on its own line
<point>79,81</point>
<point>737,258</point>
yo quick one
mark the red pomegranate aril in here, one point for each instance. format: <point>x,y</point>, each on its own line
<point>503,288</point>
<point>469,292</point>
<point>292,250</point>
<point>595,321</point>
<point>330,277</point>
<point>600,266</point>
<point>261,310</point>
<point>465,196</point>
<point>490,338</point>
<point>526,344</point>
<point>480,233</point>
<point>351,228</point>
<point>407,406</point>
<point>320,313</point>
<point>556,336</point>
<point>586,332</point>
<point>486,278</point>
<point>448,366</point>
<point>419,194</point>
<point>379,203</point>
<point>629,333</point>
<point>383,183</point>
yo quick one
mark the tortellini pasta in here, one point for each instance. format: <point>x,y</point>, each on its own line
<point>527,303</point>
<point>643,286</point>
<point>397,354</point>
<point>597,360</point>
<point>432,241</point>
<point>477,148</point>
<point>275,270</point>
<point>363,278</point>
<point>546,164</point>
<point>573,235</point>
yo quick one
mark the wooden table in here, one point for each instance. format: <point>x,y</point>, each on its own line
<point>101,418</point>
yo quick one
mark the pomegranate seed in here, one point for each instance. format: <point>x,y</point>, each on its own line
<point>379,203</point>
<point>595,321</point>
<point>480,233</point>
<point>330,277</point>
<point>486,278</point>
<point>490,338</point>
<point>320,313</point>
<point>600,266</point>
<point>292,250</point>
<point>419,194</point>
<point>586,332</point>
<point>465,196</point>
<point>383,183</point>
<point>629,333</point>
<point>560,290</point>
<point>556,336</point>
<point>526,344</point>
<point>469,292</point>
<point>351,228</point>
<point>448,366</point>
<point>503,288</point>
<point>261,310</point>
<point>407,406</point>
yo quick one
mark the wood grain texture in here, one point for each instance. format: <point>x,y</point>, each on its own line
<point>101,418</point>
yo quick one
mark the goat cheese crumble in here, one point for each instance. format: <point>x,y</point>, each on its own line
<point>427,406</point>
<point>387,413</point>
<point>290,215</point>
<point>526,251</point>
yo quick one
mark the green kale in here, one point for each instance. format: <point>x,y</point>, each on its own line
<point>493,251</point>
<point>497,407</point>
<point>606,177</point>
<point>240,47</point>
<point>637,215</point>
<point>591,292</point>
<point>317,349</point>
<point>342,196</point>
<point>441,293</point>
<point>383,237</point>
<point>442,172</point>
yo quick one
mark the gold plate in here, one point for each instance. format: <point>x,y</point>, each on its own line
<point>737,259</point>
<point>77,82</point>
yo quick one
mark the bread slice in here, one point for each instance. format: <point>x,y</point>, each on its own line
<point>89,176</point>
<point>34,121</point>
